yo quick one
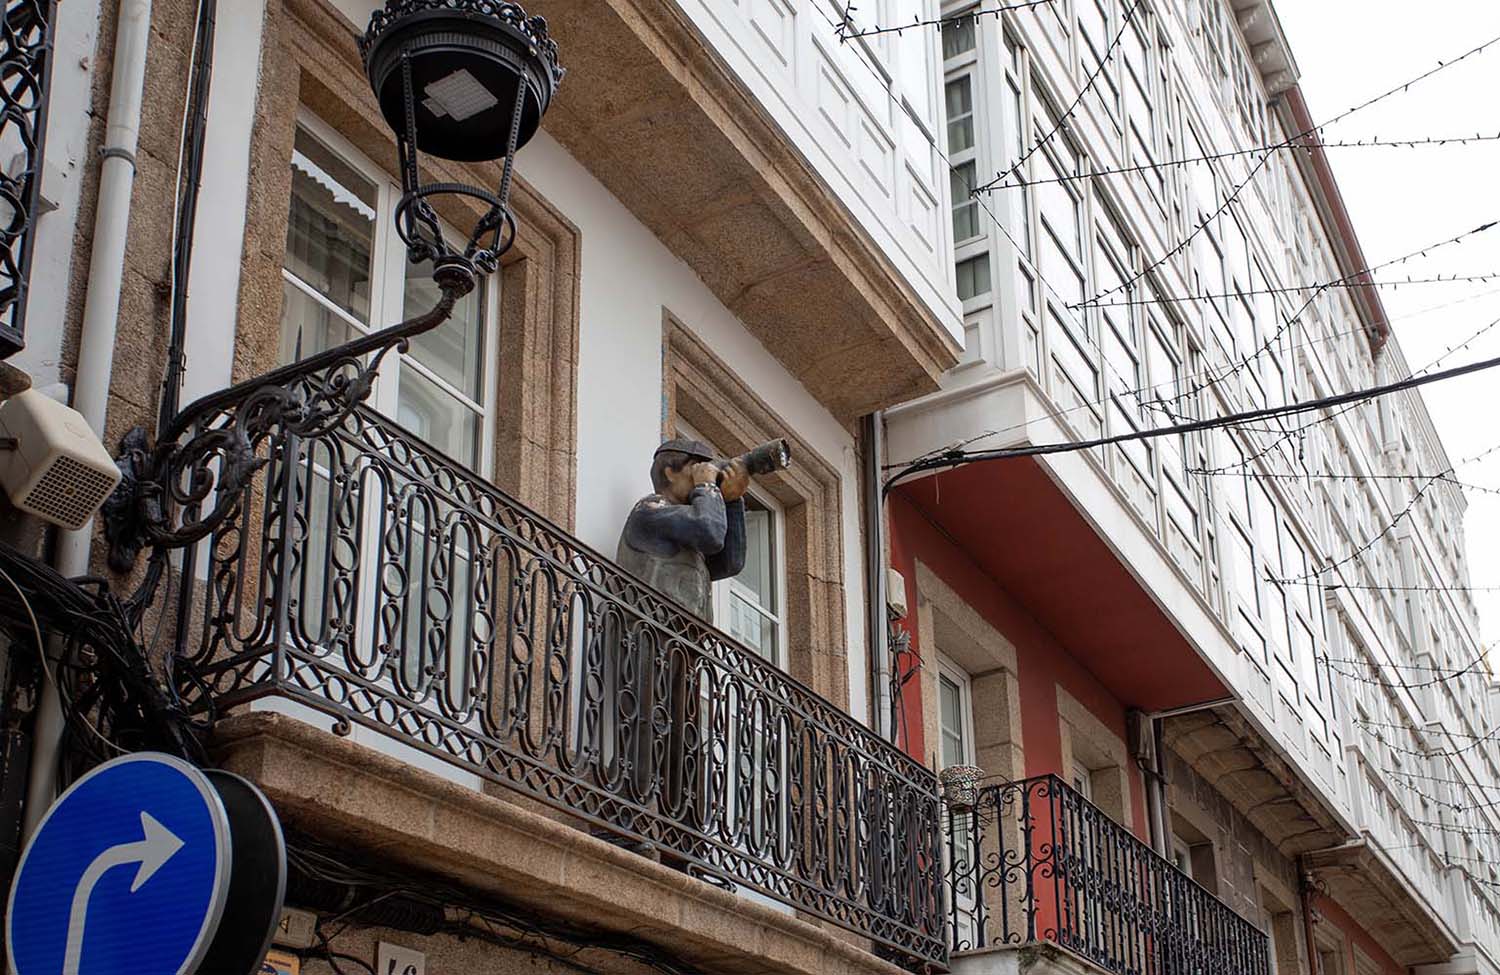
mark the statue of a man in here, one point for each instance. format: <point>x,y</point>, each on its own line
<point>691,530</point>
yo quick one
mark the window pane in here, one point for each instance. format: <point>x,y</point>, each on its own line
<point>965,211</point>
<point>958,37</point>
<point>454,351</point>
<point>951,718</point>
<point>307,325</point>
<point>973,276</point>
<point>331,226</point>
<point>759,573</point>
<point>747,625</point>
<point>960,99</point>
<point>436,417</point>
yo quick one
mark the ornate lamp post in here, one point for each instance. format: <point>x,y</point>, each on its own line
<point>462,80</point>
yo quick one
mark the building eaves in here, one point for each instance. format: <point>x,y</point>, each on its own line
<point>1269,50</point>
<point>1317,176</point>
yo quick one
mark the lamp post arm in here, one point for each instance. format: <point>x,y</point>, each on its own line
<point>209,449</point>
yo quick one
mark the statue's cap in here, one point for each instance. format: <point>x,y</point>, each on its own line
<point>696,449</point>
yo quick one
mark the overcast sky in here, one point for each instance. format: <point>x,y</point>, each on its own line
<point>1348,51</point>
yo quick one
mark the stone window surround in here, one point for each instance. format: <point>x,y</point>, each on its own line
<point>309,61</point>
<point>1281,919</point>
<point>1329,939</point>
<point>705,393</point>
<point>1087,740</point>
<point>947,624</point>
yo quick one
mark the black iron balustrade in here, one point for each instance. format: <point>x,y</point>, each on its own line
<point>1034,861</point>
<point>335,559</point>
<point>26,29</point>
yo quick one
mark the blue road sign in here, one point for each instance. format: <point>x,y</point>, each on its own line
<point>128,872</point>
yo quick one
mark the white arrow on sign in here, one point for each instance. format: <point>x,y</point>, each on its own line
<point>154,849</point>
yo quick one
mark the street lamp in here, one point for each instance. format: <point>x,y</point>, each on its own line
<point>465,80</point>
<point>462,80</point>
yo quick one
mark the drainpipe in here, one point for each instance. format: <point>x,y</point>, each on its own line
<point>96,341</point>
<point>1314,963</point>
<point>1147,728</point>
<point>1158,811</point>
<point>872,428</point>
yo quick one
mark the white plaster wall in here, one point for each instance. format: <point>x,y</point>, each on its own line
<point>629,281</point>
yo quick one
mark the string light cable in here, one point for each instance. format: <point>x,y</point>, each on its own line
<point>1234,367</point>
<point>1343,282</point>
<point>1298,146</point>
<point>1400,683</point>
<point>1270,343</point>
<point>1475,741</point>
<point>957,458</point>
<point>1440,729</point>
<point>1062,120</point>
<point>1126,388</point>
<point>847,30</point>
<point>1391,526</point>
<point>1240,188</point>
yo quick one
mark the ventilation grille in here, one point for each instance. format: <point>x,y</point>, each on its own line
<point>69,492</point>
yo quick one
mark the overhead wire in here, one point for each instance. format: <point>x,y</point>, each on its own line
<point>1343,282</point>
<point>1000,225</point>
<point>1212,375</point>
<point>956,458</point>
<point>1263,450</point>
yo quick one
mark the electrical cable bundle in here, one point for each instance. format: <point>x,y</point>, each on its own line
<point>112,699</point>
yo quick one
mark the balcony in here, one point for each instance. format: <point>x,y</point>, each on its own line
<point>1034,862</point>
<point>354,570</point>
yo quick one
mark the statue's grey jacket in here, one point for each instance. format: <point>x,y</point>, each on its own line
<point>682,548</point>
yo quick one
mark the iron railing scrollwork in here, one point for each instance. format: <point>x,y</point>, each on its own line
<point>1034,861</point>
<point>337,560</point>
<point>26,32</point>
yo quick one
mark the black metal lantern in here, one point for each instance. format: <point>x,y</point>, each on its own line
<point>466,80</point>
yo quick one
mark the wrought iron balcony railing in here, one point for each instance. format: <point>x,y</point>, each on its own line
<point>345,564</point>
<point>26,34</point>
<point>1035,861</point>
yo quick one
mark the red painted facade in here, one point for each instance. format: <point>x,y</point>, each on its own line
<point>1355,936</point>
<point>1043,662</point>
<point>1009,543</point>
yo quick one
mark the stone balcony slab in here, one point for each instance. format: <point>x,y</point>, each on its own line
<point>333,788</point>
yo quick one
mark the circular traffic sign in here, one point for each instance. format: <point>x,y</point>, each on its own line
<point>128,871</point>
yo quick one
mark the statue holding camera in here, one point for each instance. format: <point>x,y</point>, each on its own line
<point>691,530</point>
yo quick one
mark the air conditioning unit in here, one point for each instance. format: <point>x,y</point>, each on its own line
<point>51,464</point>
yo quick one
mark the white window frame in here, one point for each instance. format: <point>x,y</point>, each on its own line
<point>966,66</point>
<point>388,267</point>
<point>957,676</point>
<point>724,589</point>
